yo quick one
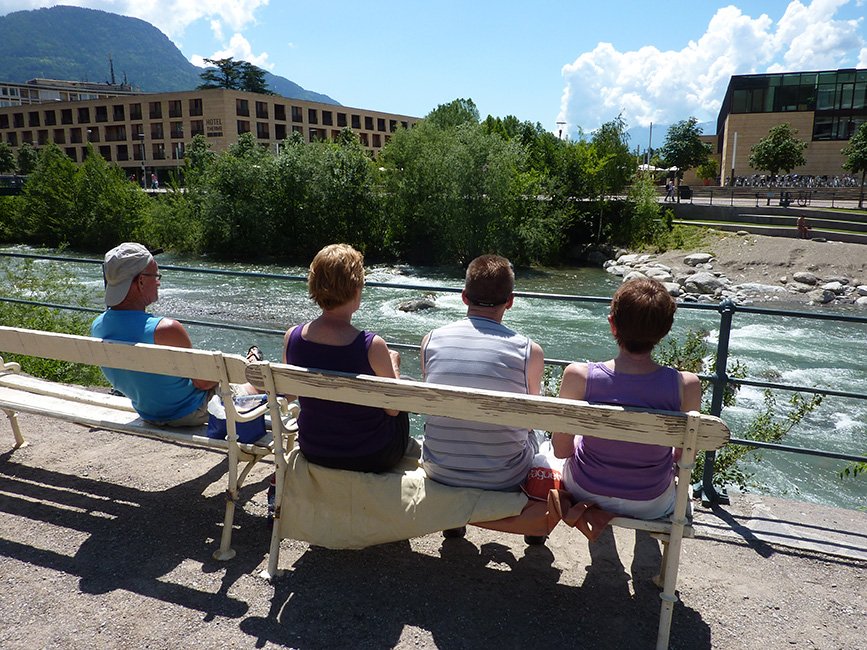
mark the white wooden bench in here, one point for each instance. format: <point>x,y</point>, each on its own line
<point>21,393</point>
<point>688,432</point>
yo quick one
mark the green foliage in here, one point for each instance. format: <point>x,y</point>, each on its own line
<point>780,150</point>
<point>234,75</point>
<point>27,158</point>
<point>456,113</point>
<point>770,425</point>
<point>708,170</point>
<point>854,470</point>
<point>89,207</point>
<point>24,280</point>
<point>683,147</point>
<point>614,163</point>
<point>643,223</point>
<point>680,237</point>
<point>856,157</point>
<point>7,159</point>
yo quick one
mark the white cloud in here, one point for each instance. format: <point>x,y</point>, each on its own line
<point>650,85</point>
<point>171,17</point>
<point>239,49</point>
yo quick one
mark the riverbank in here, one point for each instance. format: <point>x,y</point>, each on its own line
<point>757,268</point>
<point>105,541</point>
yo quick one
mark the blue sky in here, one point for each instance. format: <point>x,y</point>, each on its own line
<point>581,63</point>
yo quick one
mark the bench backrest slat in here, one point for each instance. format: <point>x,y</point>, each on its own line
<point>165,360</point>
<point>533,411</point>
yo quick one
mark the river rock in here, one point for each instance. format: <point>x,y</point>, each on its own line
<point>657,273</point>
<point>673,288</point>
<point>632,258</point>
<point>704,283</point>
<point>418,304</point>
<point>862,289</point>
<point>862,301</point>
<point>618,269</point>
<point>822,296</point>
<point>835,286</point>
<point>805,277</point>
<point>634,275</point>
<point>694,259</point>
<point>799,287</point>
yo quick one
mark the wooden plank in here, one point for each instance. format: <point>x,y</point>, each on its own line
<point>163,360</point>
<point>76,393</point>
<point>533,411</point>
<point>103,417</point>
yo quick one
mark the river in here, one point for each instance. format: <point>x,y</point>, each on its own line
<point>779,349</point>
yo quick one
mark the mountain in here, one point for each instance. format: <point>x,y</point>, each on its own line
<point>639,135</point>
<point>75,44</point>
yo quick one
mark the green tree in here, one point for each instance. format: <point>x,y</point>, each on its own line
<point>683,147</point>
<point>615,163</point>
<point>252,79</point>
<point>7,159</point>
<point>455,113</point>
<point>779,151</point>
<point>856,157</point>
<point>708,170</point>
<point>234,75</point>
<point>48,198</point>
<point>27,157</point>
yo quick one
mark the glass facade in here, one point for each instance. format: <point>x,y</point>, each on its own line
<point>838,98</point>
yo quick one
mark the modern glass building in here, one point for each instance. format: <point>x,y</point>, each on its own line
<point>825,107</point>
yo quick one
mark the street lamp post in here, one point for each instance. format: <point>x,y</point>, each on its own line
<point>560,126</point>
<point>141,136</point>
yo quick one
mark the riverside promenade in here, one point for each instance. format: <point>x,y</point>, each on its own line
<point>106,542</point>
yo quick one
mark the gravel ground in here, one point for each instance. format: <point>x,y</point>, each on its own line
<point>106,542</point>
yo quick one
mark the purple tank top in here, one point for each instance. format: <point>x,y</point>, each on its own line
<point>626,470</point>
<point>333,429</point>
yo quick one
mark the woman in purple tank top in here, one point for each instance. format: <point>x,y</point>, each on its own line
<point>628,478</point>
<point>333,434</point>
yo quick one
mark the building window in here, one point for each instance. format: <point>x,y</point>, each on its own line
<point>364,139</point>
<point>72,153</point>
<point>377,142</point>
<point>296,114</point>
<point>12,139</point>
<point>105,152</point>
<point>42,136</point>
<point>155,110</point>
<point>178,151</point>
<point>59,135</point>
<point>118,113</point>
<point>315,135</point>
<point>262,110</point>
<point>326,118</point>
<point>262,131</point>
<point>404,124</point>
<point>195,106</point>
<point>380,124</point>
<point>368,123</point>
<point>75,135</point>
<point>176,130</point>
<point>197,127</point>
<point>84,115</point>
<point>242,107</point>
<point>33,118</point>
<point>102,114</point>
<point>176,108</point>
<point>298,129</point>
<point>392,125</point>
<point>280,131</point>
<point>243,126</point>
<point>356,121</point>
<point>18,120</point>
<point>93,134</point>
<point>27,136</point>
<point>341,119</point>
<point>312,117</point>
<point>280,112</point>
<point>135,111</point>
<point>122,152</point>
<point>157,131</point>
<point>4,121</point>
<point>50,118</point>
<point>115,133</point>
<point>158,151</point>
<point>66,116</point>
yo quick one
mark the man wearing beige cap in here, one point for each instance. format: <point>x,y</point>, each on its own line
<point>132,282</point>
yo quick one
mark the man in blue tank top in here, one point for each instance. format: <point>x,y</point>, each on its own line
<point>480,352</point>
<point>132,281</point>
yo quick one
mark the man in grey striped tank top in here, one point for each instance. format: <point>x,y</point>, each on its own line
<point>480,352</point>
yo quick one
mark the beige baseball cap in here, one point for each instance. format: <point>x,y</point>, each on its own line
<point>123,263</point>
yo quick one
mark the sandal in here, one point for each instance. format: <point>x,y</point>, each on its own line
<point>254,354</point>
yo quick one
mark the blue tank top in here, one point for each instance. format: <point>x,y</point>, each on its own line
<point>156,398</point>
<point>333,429</point>
<point>626,470</point>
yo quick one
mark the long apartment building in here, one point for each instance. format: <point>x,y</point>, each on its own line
<point>148,133</point>
<point>825,107</point>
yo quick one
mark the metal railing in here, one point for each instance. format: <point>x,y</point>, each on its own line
<point>719,379</point>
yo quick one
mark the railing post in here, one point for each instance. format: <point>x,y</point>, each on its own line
<point>720,381</point>
<point>711,196</point>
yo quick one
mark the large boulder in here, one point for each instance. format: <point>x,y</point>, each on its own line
<point>704,282</point>
<point>822,296</point>
<point>634,275</point>
<point>694,259</point>
<point>805,277</point>
<point>835,286</point>
<point>862,289</point>
<point>418,304</point>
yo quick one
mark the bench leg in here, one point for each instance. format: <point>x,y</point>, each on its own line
<point>271,572</point>
<point>226,552</point>
<point>16,430</point>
